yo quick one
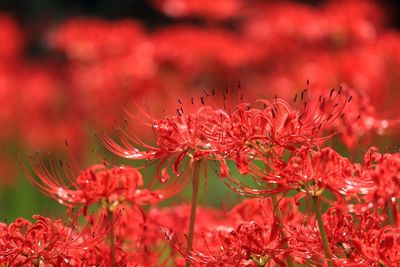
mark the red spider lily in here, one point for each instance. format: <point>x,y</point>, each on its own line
<point>351,115</point>
<point>306,240</point>
<point>133,242</point>
<point>209,133</point>
<point>383,171</point>
<point>239,236</point>
<point>97,184</point>
<point>310,171</point>
<point>249,244</point>
<point>379,246</point>
<point>46,242</point>
<point>366,243</point>
<point>245,134</point>
<point>290,127</point>
<point>354,239</point>
<point>137,238</point>
<point>259,209</point>
<point>280,128</point>
<point>360,120</point>
<point>341,230</point>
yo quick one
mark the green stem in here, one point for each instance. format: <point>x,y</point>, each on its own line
<point>324,238</point>
<point>391,212</point>
<point>195,196</point>
<point>278,213</point>
<point>111,235</point>
<point>36,263</point>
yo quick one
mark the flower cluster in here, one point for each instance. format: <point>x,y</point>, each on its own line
<point>47,241</point>
<point>85,64</point>
<point>97,184</point>
<point>313,206</point>
<point>304,201</point>
<point>244,133</point>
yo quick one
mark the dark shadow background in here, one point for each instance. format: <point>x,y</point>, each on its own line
<point>36,16</point>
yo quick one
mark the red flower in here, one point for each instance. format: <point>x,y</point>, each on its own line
<point>209,133</point>
<point>46,241</point>
<point>354,240</point>
<point>248,244</point>
<point>247,133</point>
<point>309,171</point>
<point>382,171</point>
<point>97,184</point>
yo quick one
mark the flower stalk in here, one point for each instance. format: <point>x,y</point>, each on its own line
<point>324,238</point>
<point>283,235</point>
<point>111,234</point>
<point>195,196</point>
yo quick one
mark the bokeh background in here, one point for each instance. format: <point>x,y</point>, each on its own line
<point>69,69</point>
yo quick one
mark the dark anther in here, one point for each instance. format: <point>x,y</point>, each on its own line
<point>273,113</point>
<point>331,93</point>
